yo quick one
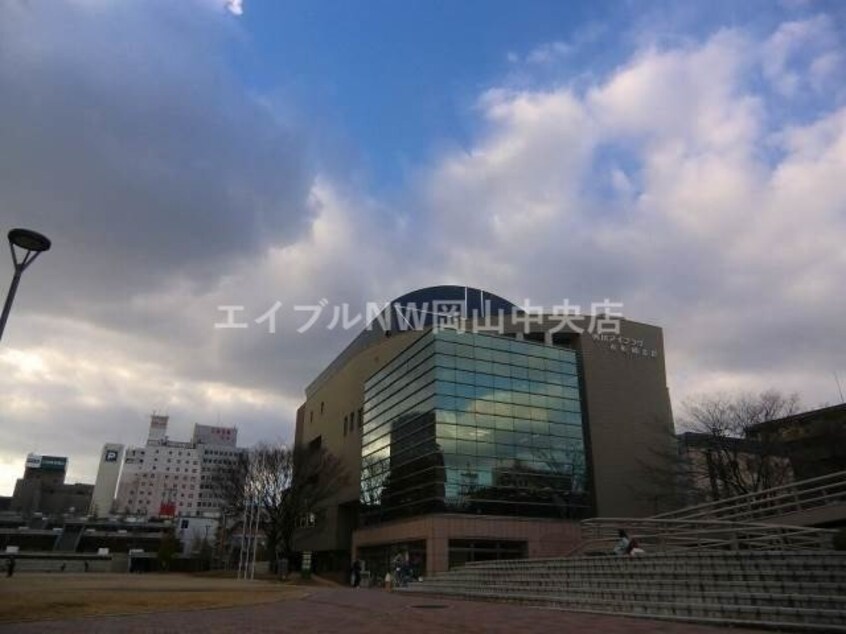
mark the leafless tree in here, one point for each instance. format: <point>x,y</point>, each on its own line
<point>722,456</point>
<point>285,483</point>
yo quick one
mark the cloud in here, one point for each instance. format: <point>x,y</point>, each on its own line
<point>549,52</point>
<point>235,7</point>
<point>722,227</point>
<point>797,45</point>
<point>675,182</point>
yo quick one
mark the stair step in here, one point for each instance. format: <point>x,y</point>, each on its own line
<point>762,588</point>
<point>736,613</point>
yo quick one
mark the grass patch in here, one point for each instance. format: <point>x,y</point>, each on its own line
<point>37,597</point>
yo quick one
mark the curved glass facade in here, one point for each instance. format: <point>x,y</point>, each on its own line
<point>474,423</point>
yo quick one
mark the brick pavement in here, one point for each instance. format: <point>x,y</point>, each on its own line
<point>342,611</point>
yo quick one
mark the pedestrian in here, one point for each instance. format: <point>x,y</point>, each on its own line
<point>10,566</point>
<point>399,565</point>
<point>356,574</point>
<point>85,565</point>
<point>622,546</point>
<point>62,567</point>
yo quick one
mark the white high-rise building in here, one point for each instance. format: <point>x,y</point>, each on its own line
<point>170,478</point>
<point>105,486</point>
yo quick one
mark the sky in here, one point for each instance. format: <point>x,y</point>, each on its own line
<point>685,159</point>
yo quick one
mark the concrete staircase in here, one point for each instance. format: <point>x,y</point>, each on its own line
<point>789,590</point>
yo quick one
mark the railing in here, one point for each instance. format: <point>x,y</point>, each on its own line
<point>661,534</point>
<point>802,495</point>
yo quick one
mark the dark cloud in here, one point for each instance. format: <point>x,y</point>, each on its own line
<point>125,138</point>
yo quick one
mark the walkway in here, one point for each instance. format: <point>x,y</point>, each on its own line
<point>346,610</point>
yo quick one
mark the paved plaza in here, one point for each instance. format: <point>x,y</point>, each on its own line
<point>347,610</point>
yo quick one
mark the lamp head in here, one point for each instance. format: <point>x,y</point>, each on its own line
<point>29,240</point>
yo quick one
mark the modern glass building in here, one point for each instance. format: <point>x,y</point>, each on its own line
<point>483,435</point>
<point>474,423</point>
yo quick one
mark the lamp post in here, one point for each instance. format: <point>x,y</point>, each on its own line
<point>31,244</point>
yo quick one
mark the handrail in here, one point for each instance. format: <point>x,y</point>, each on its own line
<point>703,534</point>
<point>773,502</point>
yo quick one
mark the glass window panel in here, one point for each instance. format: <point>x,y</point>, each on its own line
<point>535,364</point>
<point>503,422</point>
<point>538,400</point>
<point>502,357</point>
<point>484,407</point>
<point>484,366</point>
<point>502,383</point>
<point>445,416</point>
<point>446,402</point>
<point>499,343</point>
<point>484,354</point>
<point>540,427</point>
<point>504,409</point>
<point>466,448</point>
<point>465,433</point>
<point>445,374</point>
<point>501,369</point>
<point>519,372</point>
<point>446,431</point>
<point>538,376</point>
<point>521,398</point>
<point>486,393</point>
<point>556,390</point>
<point>538,413</point>
<point>465,391</point>
<point>485,449</point>
<point>447,445</point>
<point>523,439</point>
<point>444,347</point>
<point>486,421</point>
<point>466,418</point>
<point>557,416</point>
<point>522,425</point>
<point>484,435</point>
<point>485,380</point>
<point>521,411</point>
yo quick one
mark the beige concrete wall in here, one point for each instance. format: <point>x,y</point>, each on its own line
<point>323,415</point>
<point>629,420</point>
<point>544,537</point>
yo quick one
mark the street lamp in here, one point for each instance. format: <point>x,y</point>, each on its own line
<point>31,245</point>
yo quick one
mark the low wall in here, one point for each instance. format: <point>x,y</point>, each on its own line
<point>57,562</point>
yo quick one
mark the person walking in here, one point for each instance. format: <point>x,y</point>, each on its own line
<point>10,566</point>
<point>356,574</point>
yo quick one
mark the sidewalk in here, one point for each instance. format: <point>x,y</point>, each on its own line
<point>347,610</point>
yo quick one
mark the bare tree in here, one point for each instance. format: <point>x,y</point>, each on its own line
<point>285,483</point>
<point>720,454</point>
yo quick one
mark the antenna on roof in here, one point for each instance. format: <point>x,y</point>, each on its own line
<point>839,388</point>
